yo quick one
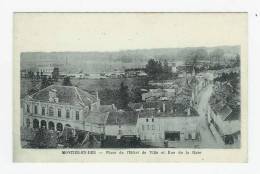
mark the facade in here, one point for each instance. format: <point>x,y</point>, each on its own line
<point>56,107</point>
<point>121,123</point>
<point>46,70</point>
<point>226,121</point>
<point>134,72</point>
<point>177,128</point>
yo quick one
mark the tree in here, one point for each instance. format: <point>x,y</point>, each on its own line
<point>66,81</point>
<point>40,139</point>
<point>167,73</point>
<point>46,82</point>
<point>55,74</point>
<point>194,56</point>
<point>217,54</point>
<point>156,70</point>
<point>237,60</point>
<point>123,96</point>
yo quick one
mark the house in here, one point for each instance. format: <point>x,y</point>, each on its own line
<point>225,117</point>
<point>46,70</point>
<point>175,127</point>
<point>155,94</point>
<point>133,72</point>
<point>96,120</point>
<point>56,107</point>
<point>161,106</point>
<point>121,123</point>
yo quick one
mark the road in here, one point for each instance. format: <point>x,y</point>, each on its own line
<point>209,138</point>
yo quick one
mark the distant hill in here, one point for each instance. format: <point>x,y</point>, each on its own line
<point>127,58</point>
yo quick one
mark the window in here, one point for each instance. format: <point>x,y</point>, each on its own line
<point>152,119</point>
<point>27,122</point>
<point>50,111</point>
<point>28,108</point>
<point>172,136</point>
<point>67,114</point>
<point>147,120</point>
<point>36,109</point>
<point>43,110</point>
<point>77,115</point>
<point>59,112</point>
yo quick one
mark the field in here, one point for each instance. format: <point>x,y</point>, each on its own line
<point>100,84</point>
<point>88,84</point>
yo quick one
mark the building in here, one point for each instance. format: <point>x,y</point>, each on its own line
<point>155,94</point>
<point>175,126</point>
<point>56,107</point>
<point>95,121</point>
<point>45,70</point>
<point>134,72</point>
<point>226,120</point>
<point>121,124</point>
<point>174,67</point>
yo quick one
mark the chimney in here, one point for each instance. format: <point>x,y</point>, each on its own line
<point>188,111</point>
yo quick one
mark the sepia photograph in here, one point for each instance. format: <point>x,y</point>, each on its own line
<point>130,81</point>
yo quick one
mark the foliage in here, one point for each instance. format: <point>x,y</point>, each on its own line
<point>232,78</point>
<point>158,71</point>
<point>123,96</point>
<point>120,97</point>
<point>46,82</point>
<point>55,74</point>
<point>194,56</point>
<point>40,139</point>
<point>136,95</point>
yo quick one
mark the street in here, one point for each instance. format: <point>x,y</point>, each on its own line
<point>209,137</point>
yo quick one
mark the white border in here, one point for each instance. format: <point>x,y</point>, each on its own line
<point>6,14</point>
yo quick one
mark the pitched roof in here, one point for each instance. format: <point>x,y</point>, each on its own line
<point>66,94</point>
<point>226,112</point>
<point>107,108</point>
<point>173,110</point>
<point>122,118</point>
<point>97,117</point>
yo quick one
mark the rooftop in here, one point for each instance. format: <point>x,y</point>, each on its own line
<point>122,118</point>
<point>97,117</point>
<point>66,94</point>
<point>171,110</point>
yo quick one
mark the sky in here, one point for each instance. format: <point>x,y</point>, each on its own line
<point>123,31</point>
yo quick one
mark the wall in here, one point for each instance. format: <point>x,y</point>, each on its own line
<point>113,130</point>
<point>155,130</point>
<point>71,121</point>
